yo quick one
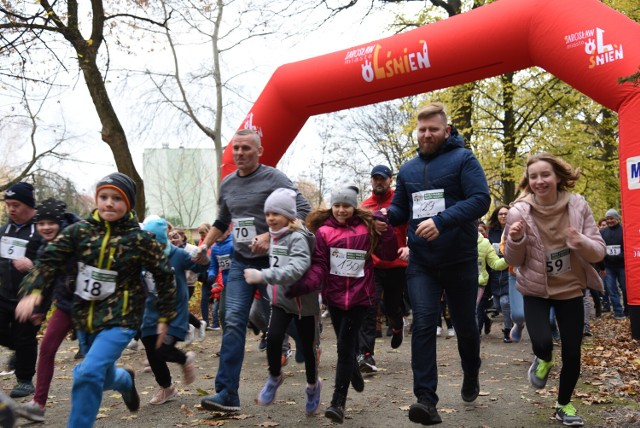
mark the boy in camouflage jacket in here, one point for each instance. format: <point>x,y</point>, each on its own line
<point>109,293</point>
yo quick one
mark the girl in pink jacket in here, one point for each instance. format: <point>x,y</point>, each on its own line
<point>552,239</point>
<point>342,265</point>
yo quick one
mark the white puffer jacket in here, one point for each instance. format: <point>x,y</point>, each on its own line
<point>529,255</point>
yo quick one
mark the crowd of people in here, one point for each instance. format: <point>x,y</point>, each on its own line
<point>416,249</point>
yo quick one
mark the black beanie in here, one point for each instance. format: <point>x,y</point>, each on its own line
<point>22,192</point>
<point>123,184</point>
<point>50,209</point>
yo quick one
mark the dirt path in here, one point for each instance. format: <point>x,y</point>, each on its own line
<point>506,399</point>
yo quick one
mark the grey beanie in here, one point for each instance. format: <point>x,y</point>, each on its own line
<point>345,195</point>
<point>613,213</point>
<point>281,201</point>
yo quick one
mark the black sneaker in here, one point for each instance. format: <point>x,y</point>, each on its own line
<point>367,364</point>
<point>131,398</point>
<point>335,413</point>
<point>425,413</point>
<point>470,388</point>
<point>397,337</point>
<point>22,389</point>
<point>356,379</point>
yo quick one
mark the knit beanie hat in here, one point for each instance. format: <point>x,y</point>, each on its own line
<point>22,192</point>
<point>158,226</point>
<point>345,195</point>
<point>50,209</point>
<point>612,213</point>
<point>281,201</point>
<point>123,184</point>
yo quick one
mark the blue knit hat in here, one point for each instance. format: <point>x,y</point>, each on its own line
<point>158,226</point>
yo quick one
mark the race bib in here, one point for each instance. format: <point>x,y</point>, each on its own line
<point>13,248</point>
<point>345,262</point>
<point>278,256</point>
<point>496,246</point>
<point>428,203</point>
<point>95,284</point>
<point>149,282</point>
<point>244,229</point>
<point>558,261</point>
<point>224,262</point>
<point>613,250</point>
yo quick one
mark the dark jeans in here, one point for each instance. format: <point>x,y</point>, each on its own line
<point>390,285</point>
<point>346,325</point>
<point>205,304</point>
<point>21,337</point>
<point>570,319</point>
<point>425,285</point>
<point>158,358</point>
<point>306,328</point>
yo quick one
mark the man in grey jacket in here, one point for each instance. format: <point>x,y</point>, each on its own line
<point>241,203</point>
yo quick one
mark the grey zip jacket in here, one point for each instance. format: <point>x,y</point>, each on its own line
<point>290,257</point>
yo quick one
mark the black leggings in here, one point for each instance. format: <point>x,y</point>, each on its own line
<point>158,358</point>
<point>346,324</point>
<point>193,320</point>
<point>306,326</point>
<point>570,319</point>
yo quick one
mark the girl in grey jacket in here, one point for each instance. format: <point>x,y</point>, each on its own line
<point>290,253</point>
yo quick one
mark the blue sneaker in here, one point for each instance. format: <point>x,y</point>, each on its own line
<point>268,393</point>
<point>221,402</point>
<point>313,398</point>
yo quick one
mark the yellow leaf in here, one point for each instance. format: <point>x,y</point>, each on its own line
<point>89,42</point>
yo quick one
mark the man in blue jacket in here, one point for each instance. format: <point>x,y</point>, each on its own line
<point>441,193</point>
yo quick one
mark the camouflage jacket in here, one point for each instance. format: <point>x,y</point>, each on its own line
<point>119,246</point>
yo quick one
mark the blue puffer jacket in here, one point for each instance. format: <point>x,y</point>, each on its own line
<point>457,171</point>
<point>180,261</point>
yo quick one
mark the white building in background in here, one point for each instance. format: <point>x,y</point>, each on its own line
<point>180,185</point>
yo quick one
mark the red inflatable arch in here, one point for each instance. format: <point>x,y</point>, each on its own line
<point>583,42</point>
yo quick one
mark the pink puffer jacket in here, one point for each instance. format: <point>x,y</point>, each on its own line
<point>529,256</point>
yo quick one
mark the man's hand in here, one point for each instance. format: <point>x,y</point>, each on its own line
<point>260,244</point>
<point>162,332</point>
<point>403,254</point>
<point>427,229</point>
<point>253,276</point>
<point>25,307</point>
<point>200,257</point>
<point>23,264</point>
<point>380,226</point>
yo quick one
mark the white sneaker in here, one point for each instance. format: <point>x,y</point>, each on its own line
<point>451,332</point>
<point>163,395</point>
<point>133,345</point>
<point>325,313</point>
<point>201,331</point>
<point>188,339</point>
<point>439,331</point>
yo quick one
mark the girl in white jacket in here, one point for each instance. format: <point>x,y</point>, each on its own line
<point>552,239</point>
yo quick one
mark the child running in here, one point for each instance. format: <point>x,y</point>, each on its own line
<point>50,220</point>
<point>345,239</point>
<point>180,260</point>
<point>552,239</point>
<point>290,252</point>
<point>111,251</point>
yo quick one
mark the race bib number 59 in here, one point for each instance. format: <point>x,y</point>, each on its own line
<point>558,262</point>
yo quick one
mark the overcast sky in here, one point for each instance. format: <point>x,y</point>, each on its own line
<point>74,105</point>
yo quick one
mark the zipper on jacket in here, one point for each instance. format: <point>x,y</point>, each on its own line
<point>103,246</point>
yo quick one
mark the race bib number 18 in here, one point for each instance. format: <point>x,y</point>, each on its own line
<point>95,284</point>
